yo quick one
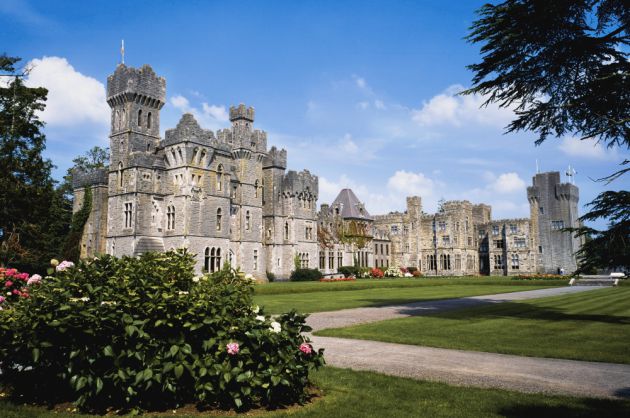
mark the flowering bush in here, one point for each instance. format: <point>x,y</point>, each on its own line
<point>143,333</point>
<point>392,272</point>
<point>416,273</point>
<point>376,273</point>
<point>15,285</point>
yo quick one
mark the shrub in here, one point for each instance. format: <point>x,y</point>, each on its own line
<point>412,269</point>
<point>270,276</point>
<point>376,273</point>
<point>305,275</point>
<point>348,271</point>
<point>144,333</point>
<point>363,272</point>
<point>416,273</point>
<point>392,272</point>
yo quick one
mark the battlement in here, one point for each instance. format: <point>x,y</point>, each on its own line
<point>136,84</point>
<point>241,112</point>
<point>297,182</point>
<point>98,176</point>
<point>276,158</point>
<point>453,205</point>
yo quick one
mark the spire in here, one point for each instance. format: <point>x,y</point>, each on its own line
<point>122,51</point>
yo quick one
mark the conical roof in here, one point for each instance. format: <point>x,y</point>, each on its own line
<point>350,206</point>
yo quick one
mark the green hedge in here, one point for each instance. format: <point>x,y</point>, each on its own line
<point>348,271</point>
<point>305,275</point>
<point>143,333</point>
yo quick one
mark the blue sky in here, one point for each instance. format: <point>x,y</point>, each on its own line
<point>361,93</point>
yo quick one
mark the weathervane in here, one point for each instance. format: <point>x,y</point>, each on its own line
<point>571,174</point>
<point>122,51</point>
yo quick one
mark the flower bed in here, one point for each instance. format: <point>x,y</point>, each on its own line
<point>338,279</point>
<point>144,333</point>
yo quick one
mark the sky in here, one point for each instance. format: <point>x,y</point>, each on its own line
<point>361,93</point>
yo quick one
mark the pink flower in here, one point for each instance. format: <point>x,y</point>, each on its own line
<point>306,348</point>
<point>8,283</point>
<point>2,299</point>
<point>16,292</point>
<point>232,349</point>
<point>64,265</point>
<point>35,278</point>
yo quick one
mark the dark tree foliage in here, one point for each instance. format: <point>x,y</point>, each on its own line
<point>26,186</point>
<point>563,65</point>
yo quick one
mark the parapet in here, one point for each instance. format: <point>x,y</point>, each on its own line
<point>95,177</point>
<point>275,158</point>
<point>241,112</point>
<point>296,182</point>
<point>130,83</point>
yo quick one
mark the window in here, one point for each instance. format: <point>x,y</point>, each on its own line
<point>386,249</point>
<point>482,233</point>
<point>217,260</point>
<point>375,249</point>
<point>498,262</point>
<point>149,120</point>
<point>219,178</point>
<point>247,221</point>
<point>470,241</point>
<point>331,260</point>
<point>495,230</point>
<point>458,262</point>
<point>339,259</point>
<point>513,229</point>
<point>322,259</point>
<point>445,261</point>
<point>406,248</point>
<point>405,230</point>
<point>206,260</point>
<point>120,174</point>
<point>170,218</point>
<point>140,117</point>
<point>442,226</point>
<point>128,215</point>
<point>515,263</point>
<point>446,240</point>
<point>520,242</point>
<point>540,249</point>
<point>498,243</point>
<point>219,218</point>
<point>541,210</point>
<point>256,188</point>
<point>470,262</point>
<point>255,260</point>
<point>286,230</point>
<point>394,229</point>
<point>557,225</point>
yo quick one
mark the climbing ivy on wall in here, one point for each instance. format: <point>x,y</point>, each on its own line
<point>72,248</point>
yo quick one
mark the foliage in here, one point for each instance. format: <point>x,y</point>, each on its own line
<point>393,272</point>
<point>416,273</point>
<point>337,279</point>
<point>270,276</point>
<point>348,271</point>
<point>305,275</point>
<point>72,247</point>
<point>376,273</point>
<point>564,66</point>
<point>143,333</point>
<point>14,285</point>
<point>297,263</point>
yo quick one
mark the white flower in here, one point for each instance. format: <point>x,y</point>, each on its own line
<point>275,327</point>
<point>195,279</point>
<point>8,293</point>
<point>260,318</point>
<point>83,299</point>
<point>255,309</point>
<point>182,292</point>
<point>106,302</point>
<point>249,277</point>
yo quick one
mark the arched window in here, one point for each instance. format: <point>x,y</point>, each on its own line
<point>206,260</point>
<point>247,220</point>
<point>148,146</point>
<point>213,259</point>
<point>219,219</point>
<point>140,117</point>
<point>149,120</point>
<point>219,178</point>
<point>256,188</point>
<point>120,174</point>
<point>194,155</point>
<point>286,230</point>
<point>170,218</point>
<point>218,260</point>
<point>181,156</point>
<point>117,120</point>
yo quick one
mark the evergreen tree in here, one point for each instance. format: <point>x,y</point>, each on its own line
<point>563,65</point>
<point>26,186</point>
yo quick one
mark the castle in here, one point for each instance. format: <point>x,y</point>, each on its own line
<point>226,197</point>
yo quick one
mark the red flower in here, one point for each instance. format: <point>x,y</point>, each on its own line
<point>8,283</point>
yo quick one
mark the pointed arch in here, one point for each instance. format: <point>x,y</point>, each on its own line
<point>140,118</point>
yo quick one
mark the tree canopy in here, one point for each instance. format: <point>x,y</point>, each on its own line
<point>563,66</point>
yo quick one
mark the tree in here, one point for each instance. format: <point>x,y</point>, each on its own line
<point>563,66</point>
<point>26,186</point>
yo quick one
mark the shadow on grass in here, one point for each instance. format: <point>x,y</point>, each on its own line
<point>596,408</point>
<point>493,310</point>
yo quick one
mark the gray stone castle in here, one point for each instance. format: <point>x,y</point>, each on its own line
<point>226,197</point>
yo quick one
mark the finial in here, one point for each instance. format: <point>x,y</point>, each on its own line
<point>537,168</point>
<point>122,51</point>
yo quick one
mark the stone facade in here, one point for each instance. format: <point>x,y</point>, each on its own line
<point>224,196</point>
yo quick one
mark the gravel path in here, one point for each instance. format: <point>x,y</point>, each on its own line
<point>467,368</point>
<point>347,317</point>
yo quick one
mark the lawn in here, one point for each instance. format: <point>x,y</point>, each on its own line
<point>309,297</point>
<point>365,394</point>
<point>592,326</point>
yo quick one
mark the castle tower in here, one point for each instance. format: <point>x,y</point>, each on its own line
<point>553,206</point>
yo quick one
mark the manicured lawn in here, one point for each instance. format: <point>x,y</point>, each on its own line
<point>364,394</point>
<point>591,326</point>
<point>309,297</point>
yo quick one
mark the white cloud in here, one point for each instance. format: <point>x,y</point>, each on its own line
<point>409,183</point>
<point>348,145</point>
<point>73,98</point>
<point>360,82</point>
<point>209,116</point>
<point>379,104</point>
<point>508,183</point>
<point>586,148</point>
<point>447,108</point>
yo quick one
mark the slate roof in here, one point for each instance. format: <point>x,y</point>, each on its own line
<point>350,206</point>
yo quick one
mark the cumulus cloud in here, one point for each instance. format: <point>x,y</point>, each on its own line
<point>209,116</point>
<point>508,183</point>
<point>410,183</point>
<point>73,98</point>
<point>447,108</point>
<point>585,148</point>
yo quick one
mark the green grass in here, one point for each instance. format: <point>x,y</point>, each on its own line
<point>364,394</point>
<point>592,326</point>
<point>309,297</point>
